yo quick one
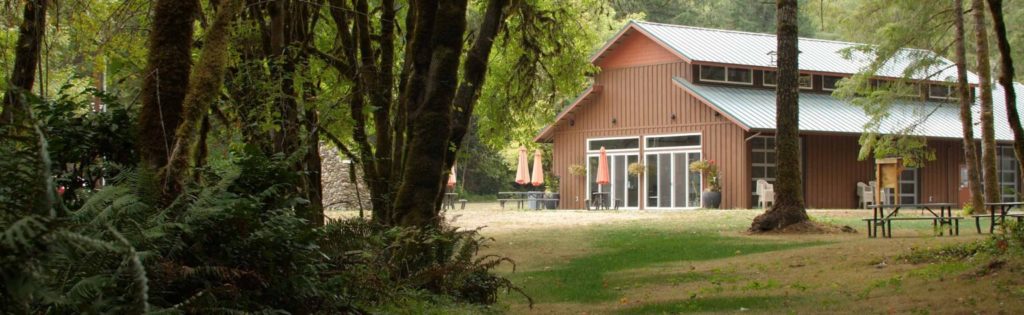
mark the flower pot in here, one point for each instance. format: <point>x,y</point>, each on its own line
<point>711,199</point>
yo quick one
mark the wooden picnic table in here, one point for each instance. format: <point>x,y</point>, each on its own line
<point>943,218</point>
<point>450,199</point>
<point>1000,208</point>
<point>520,198</point>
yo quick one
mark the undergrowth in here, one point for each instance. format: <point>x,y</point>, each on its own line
<point>233,244</point>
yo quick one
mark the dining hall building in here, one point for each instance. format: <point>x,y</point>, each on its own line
<point>668,95</point>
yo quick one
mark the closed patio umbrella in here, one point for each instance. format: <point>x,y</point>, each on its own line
<point>522,173</point>
<point>451,177</point>
<point>538,169</point>
<point>602,169</point>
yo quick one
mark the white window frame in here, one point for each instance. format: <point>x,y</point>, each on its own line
<point>777,79</point>
<point>699,135</point>
<point>768,149</point>
<point>638,139</point>
<point>951,88</point>
<point>685,152</point>
<point>823,87</point>
<point>1013,170</point>
<point>613,176</point>
<point>700,75</point>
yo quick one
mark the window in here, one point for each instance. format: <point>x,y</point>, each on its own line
<point>1008,171</point>
<point>762,162</point>
<point>828,83</point>
<point>740,76</point>
<point>726,75</point>
<point>806,82</point>
<point>613,144</point>
<point>942,92</point>
<point>673,141</point>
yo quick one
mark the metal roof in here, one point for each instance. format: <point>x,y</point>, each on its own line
<point>751,49</point>
<point>754,109</point>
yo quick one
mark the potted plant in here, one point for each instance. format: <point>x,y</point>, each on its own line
<point>711,197</point>
<point>636,169</point>
<point>577,170</point>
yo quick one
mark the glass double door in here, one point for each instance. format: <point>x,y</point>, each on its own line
<point>670,182</point>
<point>624,188</point>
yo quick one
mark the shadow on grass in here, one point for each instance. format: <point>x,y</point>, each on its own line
<point>715,304</point>
<point>588,279</point>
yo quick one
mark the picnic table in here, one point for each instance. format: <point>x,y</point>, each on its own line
<point>883,215</point>
<point>538,199</point>
<point>997,213</point>
<point>599,199</point>
<point>450,199</point>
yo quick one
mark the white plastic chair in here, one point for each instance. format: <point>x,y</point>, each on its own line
<point>866,195</point>
<point>765,193</point>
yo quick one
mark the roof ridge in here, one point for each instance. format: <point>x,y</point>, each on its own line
<point>751,33</point>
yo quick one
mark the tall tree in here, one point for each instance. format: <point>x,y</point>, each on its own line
<point>26,58</point>
<point>204,89</point>
<point>988,133</point>
<point>966,121</point>
<point>1006,74</point>
<point>166,79</point>
<point>789,202</point>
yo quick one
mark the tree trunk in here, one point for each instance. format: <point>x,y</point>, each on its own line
<point>988,134</point>
<point>26,58</point>
<point>1006,73</point>
<point>204,89</point>
<point>430,124</point>
<point>966,121</point>
<point>788,208</point>
<point>166,80</point>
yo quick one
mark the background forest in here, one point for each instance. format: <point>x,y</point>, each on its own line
<point>162,156</point>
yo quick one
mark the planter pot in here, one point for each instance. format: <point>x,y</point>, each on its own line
<point>711,199</point>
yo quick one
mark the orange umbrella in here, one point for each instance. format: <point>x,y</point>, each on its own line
<point>522,173</point>
<point>538,169</point>
<point>451,177</point>
<point>602,169</point>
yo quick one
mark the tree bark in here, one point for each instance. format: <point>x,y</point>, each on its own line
<point>788,208</point>
<point>26,58</point>
<point>988,134</point>
<point>966,121</point>
<point>1006,74</point>
<point>204,88</point>
<point>166,80</point>
<point>429,133</point>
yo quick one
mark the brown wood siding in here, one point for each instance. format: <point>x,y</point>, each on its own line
<point>642,100</point>
<point>635,49</point>
<point>832,171</point>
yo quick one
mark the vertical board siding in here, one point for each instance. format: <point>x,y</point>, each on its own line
<point>832,171</point>
<point>642,99</point>
<point>635,49</point>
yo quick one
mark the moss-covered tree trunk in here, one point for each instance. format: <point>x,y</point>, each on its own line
<point>416,202</point>
<point>788,208</point>
<point>166,80</point>
<point>204,88</point>
<point>26,58</point>
<point>1006,73</point>
<point>988,133</point>
<point>966,119</point>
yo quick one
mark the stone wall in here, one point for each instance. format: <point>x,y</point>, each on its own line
<point>339,190</point>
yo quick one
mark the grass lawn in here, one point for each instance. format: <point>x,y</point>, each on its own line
<point>629,262</point>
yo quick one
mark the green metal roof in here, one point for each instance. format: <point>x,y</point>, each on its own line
<point>754,109</point>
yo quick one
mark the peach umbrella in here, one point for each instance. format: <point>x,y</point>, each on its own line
<point>602,169</point>
<point>451,177</point>
<point>522,173</point>
<point>538,169</point>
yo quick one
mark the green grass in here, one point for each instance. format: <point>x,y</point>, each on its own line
<point>592,279</point>
<point>716,304</point>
